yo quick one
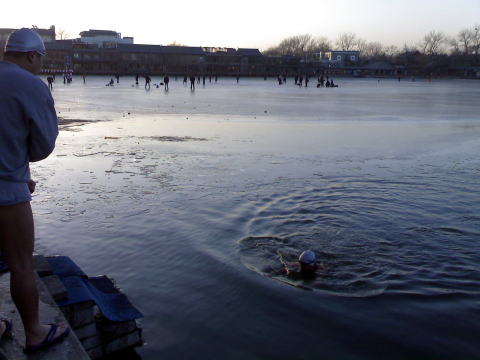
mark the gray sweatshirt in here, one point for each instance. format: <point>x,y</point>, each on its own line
<point>28,122</point>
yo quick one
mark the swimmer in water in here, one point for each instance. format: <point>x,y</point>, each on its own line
<point>304,268</point>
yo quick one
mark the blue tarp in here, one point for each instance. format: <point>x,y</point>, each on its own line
<point>112,303</point>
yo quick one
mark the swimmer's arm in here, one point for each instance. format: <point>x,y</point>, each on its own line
<point>284,263</point>
<point>322,267</point>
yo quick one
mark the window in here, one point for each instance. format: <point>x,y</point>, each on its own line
<point>339,57</point>
<point>352,57</point>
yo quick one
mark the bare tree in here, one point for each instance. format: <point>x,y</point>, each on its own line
<point>391,51</point>
<point>360,45</point>
<point>175,43</point>
<point>408,48</point>
<point>432,42</point>
<point>373,50</point>
<point>347,41</point>
<point>455,45</point>
<point>296,45</point>
<point>300,45</point>
<point>62,34</point>
<point>465,38</point>
<point>320,44</point>
<point>475,33</point>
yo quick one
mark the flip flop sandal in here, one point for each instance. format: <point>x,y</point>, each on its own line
<point>49,340</point>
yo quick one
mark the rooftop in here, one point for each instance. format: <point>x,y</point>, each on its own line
<point>93,32</point>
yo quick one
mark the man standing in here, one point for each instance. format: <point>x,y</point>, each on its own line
<point>50,82</point>
<point>192,83</point>
<point>29,128</point>
<point>166,80</point>
<point>147,81</point>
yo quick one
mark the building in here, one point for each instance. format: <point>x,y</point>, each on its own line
<point>80,57</point>
<point>106,52</point>
<point>104,38</point>
<point>341,58</point>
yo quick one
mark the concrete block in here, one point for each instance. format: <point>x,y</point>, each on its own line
<point>91,342</point>
<point>111,330</point>
<point>42,266</point>
<point>86,331</point>
<point>78,318</point>
<point>132,339</point>
<point>96,353</point>
<point>55,287</point>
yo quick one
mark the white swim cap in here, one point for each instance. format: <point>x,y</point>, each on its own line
<point>25,40</point>
<point>307,257</point>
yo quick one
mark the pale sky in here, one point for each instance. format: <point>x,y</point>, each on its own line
<point>246,23</point>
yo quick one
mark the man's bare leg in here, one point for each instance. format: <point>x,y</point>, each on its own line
<point>17,243</point>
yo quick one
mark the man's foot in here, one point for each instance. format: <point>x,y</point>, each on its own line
<point>53,333</point>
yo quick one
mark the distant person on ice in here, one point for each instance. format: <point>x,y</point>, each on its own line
<point>166,80</point>
<point>192,82</point>
<point>50,82</point>
<point>29,129</point>
<point>147,81</point>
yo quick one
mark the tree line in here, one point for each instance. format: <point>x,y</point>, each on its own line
<point>465,43</point>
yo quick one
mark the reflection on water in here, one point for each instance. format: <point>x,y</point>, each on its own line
<point>378,179</point>
<point>369,235</point>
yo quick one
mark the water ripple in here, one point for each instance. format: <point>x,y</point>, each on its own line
<point>375,237</point>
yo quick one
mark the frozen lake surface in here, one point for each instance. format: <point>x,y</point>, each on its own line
<point>186,197</point>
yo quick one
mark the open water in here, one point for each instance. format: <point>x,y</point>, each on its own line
<point>186,197</point>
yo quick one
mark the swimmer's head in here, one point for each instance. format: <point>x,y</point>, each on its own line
<point>307,257</point>
<point>307,261</point>
<point>25,40</point>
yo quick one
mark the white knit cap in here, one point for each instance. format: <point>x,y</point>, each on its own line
<point>25,40</point>
<point>307,257</point>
